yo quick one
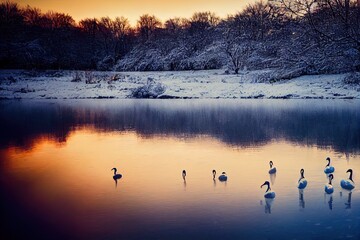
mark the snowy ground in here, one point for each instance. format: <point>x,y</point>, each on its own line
<point>181,84</point>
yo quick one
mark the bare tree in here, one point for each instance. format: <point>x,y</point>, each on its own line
<point>330,20</point>
<point>201,21</point>
<point>146,26</point>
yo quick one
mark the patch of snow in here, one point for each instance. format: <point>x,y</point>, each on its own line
<point>203,84</point>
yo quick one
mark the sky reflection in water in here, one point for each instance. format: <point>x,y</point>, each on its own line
<point>56,177</point>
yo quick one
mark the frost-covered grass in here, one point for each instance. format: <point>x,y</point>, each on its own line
<point>180,84</point>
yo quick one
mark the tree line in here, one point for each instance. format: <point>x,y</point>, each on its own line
<point>307,36</point>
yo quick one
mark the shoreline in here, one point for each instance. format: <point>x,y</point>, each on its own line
<point>203,84</point>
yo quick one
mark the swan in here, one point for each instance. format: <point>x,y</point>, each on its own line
<point>223,177</point>
<point>302,181</point>
<point>116,176</point>
<point>348,184</point>
<point>268,194</point>
<point>272,169</point>
<point>328,187</point>
<point>184,174</point>
<point>214,173</point>
<point>328,168</point>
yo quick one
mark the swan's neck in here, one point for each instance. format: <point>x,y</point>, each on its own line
<point>328,163</point>
<point>115,171</point>
<point>271,164</point>
<point>268,188</point>
<point>330,180</point>
<point>350,177</point>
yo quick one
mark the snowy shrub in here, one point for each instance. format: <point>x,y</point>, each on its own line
<point>150,90</point>
<point>352,78</point>
<point>264,77</point>
<point>142,58</point>
<point>90,78</point>
<point>278,75</point>
<point>76,77</point>
<point>116,77</point>
<point>11,79</point>
<point>106,64</point>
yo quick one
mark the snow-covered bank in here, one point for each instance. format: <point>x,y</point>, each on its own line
<point>181,84</point>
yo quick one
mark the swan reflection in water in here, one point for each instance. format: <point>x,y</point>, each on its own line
<point>301,199</point>
<point>272,178</point>
<point>348,201</point>
<point>268,203</point>
<point>329,199</point>
<point>214,177</point>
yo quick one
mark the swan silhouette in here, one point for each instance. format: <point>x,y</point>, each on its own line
<point>272,169</point>
<point>116,176</point>
<point>184,174</point>
<point>328,187</point>
<point>302,183</point>
<point>348,184</point>
<point>328,167</point>
<point>268,193</point>
<point>223,177</point>
<point>214,173</point>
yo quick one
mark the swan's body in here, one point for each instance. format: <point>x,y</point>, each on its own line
<point>268,193</point>
<point>302,183</point>
<point>348,183</point>
<point>272,169</point>
<point>328,167</point>
<point>329,189</point>
<point>214,173</point>
<point>116,176</point>
<point>223,177</point>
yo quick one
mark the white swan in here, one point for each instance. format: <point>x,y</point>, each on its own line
<point>328,167</point>
<point>268,193</point>
<point>116,176</point>
<point>302,183</point>
<point>348,184</point>
<point>272,169</point>
<point>329,189</point>
<point>223,177</point>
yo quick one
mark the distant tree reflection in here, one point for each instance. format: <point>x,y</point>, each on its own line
<point>246,123</point>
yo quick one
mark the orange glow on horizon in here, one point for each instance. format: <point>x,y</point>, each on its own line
<point>80,9</point>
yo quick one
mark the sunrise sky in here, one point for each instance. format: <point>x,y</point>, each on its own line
<point>132,9</point>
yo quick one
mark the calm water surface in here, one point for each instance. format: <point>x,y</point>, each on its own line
<point>56,156</point>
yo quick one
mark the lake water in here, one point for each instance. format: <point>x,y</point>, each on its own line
<point>56,159</point>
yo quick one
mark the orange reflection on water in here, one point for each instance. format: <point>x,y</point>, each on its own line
<point>72,182</point>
